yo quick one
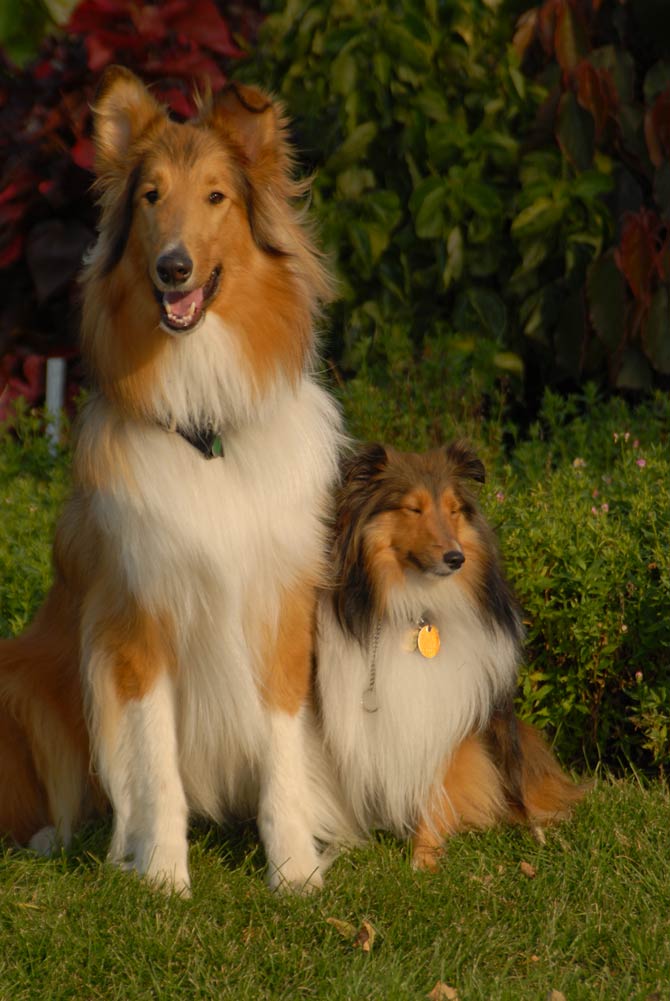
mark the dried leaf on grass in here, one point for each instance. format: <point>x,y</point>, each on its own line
<point>361,938</point>
<point>345,928</point>
<point>365,937</point>
<point>528,870</point>
<point>442,992</point>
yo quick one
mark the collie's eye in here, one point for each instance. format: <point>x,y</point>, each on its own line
<point>151,196</point>
<point>414,510</point>
<point>216,197</point>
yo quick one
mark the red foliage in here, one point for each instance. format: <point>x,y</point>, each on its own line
<point>639,255</point>
<point>47,216</point>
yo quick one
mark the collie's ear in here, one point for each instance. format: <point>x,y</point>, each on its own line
<point>466,463</point>
<point>122,112</point>
<point>247,117</point>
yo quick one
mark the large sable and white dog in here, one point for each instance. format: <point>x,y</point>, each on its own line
<point>419,645</point>
<point>174,647</point>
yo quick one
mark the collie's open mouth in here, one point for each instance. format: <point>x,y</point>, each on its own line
<point>181,312</point>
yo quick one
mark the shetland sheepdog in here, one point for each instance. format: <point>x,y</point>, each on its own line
<point>419,644</point>
<point>170,663</point>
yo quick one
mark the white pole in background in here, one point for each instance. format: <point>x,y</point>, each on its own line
<point>55,399</point>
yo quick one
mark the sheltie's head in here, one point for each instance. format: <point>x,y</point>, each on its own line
<point>404,519</point>
<point>197,219</point>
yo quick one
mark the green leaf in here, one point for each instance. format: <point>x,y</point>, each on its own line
<point>510,362</point>
<point>453,268</point>
<point>656,81</point>
<point>343,73</point>
<point>427,204</point>
<point>592,184</point>
<point>539,217</point>
<point>353,182</point>
<point>482,198</point>
<point>634,372</point>
<point>433,104</point>
<point>606,291</point>
<point>480,309</point>
<point>405,48</point>
<point>575,131</point>
<point>656,332</point>
<point>352,149</point>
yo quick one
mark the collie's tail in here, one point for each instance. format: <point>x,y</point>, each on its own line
<point>43,740</point>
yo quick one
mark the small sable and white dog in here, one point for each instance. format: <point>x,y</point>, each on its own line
<point>419,644</point>
<point>174,649</point>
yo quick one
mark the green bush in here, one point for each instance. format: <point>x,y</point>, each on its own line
<point>500,187</point>
<point>583,511</point>
<point>34,481</point>
<point>411,115</point>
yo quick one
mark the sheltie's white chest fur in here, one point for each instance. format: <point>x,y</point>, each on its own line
<point>392,759</point>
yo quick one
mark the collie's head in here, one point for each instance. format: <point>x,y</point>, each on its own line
<point>197,221</point>
<point>407,521</point>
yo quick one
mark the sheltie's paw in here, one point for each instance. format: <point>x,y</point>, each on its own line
<point>427,857</point>
<point>294,877</point>
<point>45,842</point>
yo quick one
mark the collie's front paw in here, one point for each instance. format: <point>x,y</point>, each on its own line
<point>167,870</point>
<point>295,876</point>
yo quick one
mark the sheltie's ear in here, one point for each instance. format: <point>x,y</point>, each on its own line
<point>357,501</point>
<point>123,110</point>
<point>465,463</point>
<point>361,468</point>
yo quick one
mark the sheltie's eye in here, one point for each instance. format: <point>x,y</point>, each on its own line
<point>216,197</point>
<point>413,510</point>
<point>151,196</point>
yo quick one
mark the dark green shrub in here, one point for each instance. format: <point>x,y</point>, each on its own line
<point>518,215</point>
<point>411,113</point>
<point>584,517</point>
<point>34,481</point>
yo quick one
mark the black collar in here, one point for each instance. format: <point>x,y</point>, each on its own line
<point>207,441</point>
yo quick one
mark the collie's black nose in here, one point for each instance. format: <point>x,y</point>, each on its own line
<point>174,268</point>
<point>454,559</point>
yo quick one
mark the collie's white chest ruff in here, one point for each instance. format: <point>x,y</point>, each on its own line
<point>216,543</point>
<point>391,760</point>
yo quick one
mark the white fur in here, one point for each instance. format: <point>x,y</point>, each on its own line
<point>392,761</point>
<point>215,543</point>
<point>286,817</point>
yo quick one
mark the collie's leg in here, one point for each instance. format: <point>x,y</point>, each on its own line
<point>285,812</point>
<point>472,795</point>
<point>134,737</point>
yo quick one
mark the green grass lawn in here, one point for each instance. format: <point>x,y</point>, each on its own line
<point>593,923</point>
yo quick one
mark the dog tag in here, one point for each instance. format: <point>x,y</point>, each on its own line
<point>369,700</point>
<point>428,641</point>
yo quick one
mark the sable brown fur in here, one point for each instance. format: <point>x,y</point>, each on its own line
<point>411,544</point>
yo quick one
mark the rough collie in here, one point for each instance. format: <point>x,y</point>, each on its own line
<point>419,644</point>
<point>174,651</point>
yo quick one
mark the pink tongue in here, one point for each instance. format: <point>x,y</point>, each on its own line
<point>180,302</point>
